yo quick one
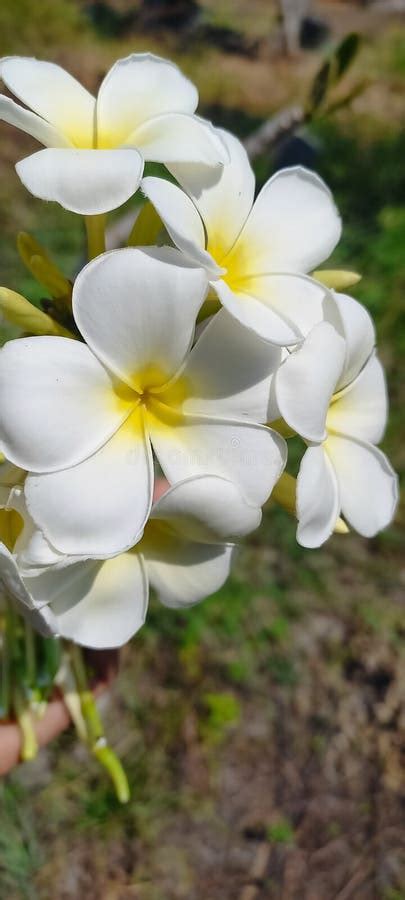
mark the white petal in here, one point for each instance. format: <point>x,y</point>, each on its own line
<point>230,371</point>
<point>42,620</point>
<point>97,604</point>
<point>87,182</point>
<point>182,221</point>
<point>207,509</point>
<point>32,124</point>
<point>280,309</point>
<point>99,507</point>
<point>355,324</point>
<point>10,581</point>
<point>306,381</point>
<point>318,502</point>
<point>294,224</point>
<point>53,94</point>
<point>368,485</point>
<point>137,88</point>
<point>57,403</point>
<point>223,197</point>
<point>31,550</point>
<point>360,411</point>
<point>183,573</point>
<point>250,455</point>
<point>137,310</point>
<point>34,553</point>
<point>178,138</point>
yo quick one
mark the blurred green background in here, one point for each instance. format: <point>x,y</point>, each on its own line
<point>261,731</point>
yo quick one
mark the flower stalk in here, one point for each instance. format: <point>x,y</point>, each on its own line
<point>95,737</point>
<point>30,657</point>
<point>95,229</point>
<point>29,743</point>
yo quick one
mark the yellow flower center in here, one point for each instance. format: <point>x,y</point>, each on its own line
<point>155,401</point>
<point>87,135</point>
<point>238,261</point>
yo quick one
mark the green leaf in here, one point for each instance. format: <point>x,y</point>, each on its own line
<point>332,70</point>
<point>345,53</point>
<point>38,262</point>
<point>319,86</point>
<point>349,97</point>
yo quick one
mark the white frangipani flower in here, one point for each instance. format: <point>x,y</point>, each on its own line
<point>185,554</point>
<point>331,391</point>
<point>82,418</point>
<point>96,147</point>
<point>250,249</point>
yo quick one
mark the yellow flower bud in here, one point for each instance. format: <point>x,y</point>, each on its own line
<point>19,311</point>
<point>337,279</point>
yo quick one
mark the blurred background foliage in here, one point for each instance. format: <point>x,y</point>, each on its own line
<point>261,731</point>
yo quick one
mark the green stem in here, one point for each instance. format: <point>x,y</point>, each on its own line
<point>95,228</point>
<point>30,656</point>
<point>29,746</point>
<point>112,764</point>
<point>79,669</point>
<point>95,732</point>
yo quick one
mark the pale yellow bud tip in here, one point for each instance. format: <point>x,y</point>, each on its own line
<point>19,311</point>
<point>337,279</point>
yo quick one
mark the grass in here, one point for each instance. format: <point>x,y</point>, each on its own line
<point>19,851</point>
<point>51,23</point>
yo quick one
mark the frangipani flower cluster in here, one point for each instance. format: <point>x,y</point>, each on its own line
<point>96,147</point>
<point>192,359</point>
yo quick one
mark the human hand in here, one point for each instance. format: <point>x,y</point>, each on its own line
<point>104,665</point>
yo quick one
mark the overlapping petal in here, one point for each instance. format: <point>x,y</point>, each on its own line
<point>96,603</point>
<point>279,308</point>
<point>230,372</point>
<point>137,88</point>
<point>88,182</point>
<point>32,124</point>
<point>250,455</point>
<point>223,197</point>
<point>368,485</point>
<point>206,509</point>
<point>293,226</point>
<point>137,311</point>
<point>360,410</point>
<point>100,506</point>
<point>54,94</point>
<point>31,550</point>
<point>177,138</point>
<point>182,221</point>
<point>318,500</point>
<point>183,573</point>
<point>355,324</point>
<point>57,403</point>
<point>305,382</point>
<point>42,620</point>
